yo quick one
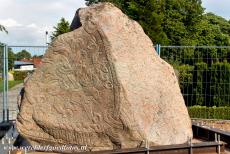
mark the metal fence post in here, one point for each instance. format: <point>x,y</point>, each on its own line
<point>158,49</point>
<point>5,115</point>
<point>218,138</point>
<point>147,146</point>
<point>7,104</point>
<point>4,78</point>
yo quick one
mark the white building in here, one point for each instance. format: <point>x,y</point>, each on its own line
<point>23,66</point>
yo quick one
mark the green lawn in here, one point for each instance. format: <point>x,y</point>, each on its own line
<point>10,83</point>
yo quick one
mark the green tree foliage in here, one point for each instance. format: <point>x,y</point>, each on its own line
<point>200,80</point>
<point>212,30</point>
<point>204,74</point>
<point>2,28</point>
<point>11,59</point>
<point>21,75</point>
<point>186,82</point>
<point>164,21</point>
<point>220,79</point>
<point>175,22</point>
<point>205,85</point>
<point>150,14</point>
<point>62,27</point>
<point>23,55</point>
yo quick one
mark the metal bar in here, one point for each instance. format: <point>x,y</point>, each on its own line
<point>159,50</point>
<point>29,46</point>
<point>147,146</point>
<point>22,46</point>
<point>190,144</point>
<point>203,147</point>
<point>218,145</point>
<point>219,47</point>
<point>156,48</point>
<point>7,104</point>
<point>4,77</point>
<point>209,133</point>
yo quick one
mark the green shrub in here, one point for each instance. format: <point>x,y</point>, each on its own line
<point>200,81</point>
<point>220,79</point>
<point>186,81</point>
<point>21,75</point>
<point>205,85</point>
<point>214,112</point>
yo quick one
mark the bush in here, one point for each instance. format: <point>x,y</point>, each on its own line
<point>186,82</point>
<point>200,83</point>
<point>220,79</point>
<point>205,85</point>
<point>214,112</point>
<point>21,75</point>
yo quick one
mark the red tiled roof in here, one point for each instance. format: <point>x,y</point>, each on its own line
<point>36,61</point>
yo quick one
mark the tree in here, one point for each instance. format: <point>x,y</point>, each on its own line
<point>176,22</point>
<point>38,56</point>
<point>168,22</point>
<point>11,58</point>
<point>2,28</point>
<point>150,15</point>
<point>23,55</point>
<point>203,73</point>
<point>62,27</point>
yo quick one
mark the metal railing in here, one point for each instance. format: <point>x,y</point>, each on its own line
<point>4,66</point>
<point>204,77</point>
<point>8,56</point>
<point>203,73</point>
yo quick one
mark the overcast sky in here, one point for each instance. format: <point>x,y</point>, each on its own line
<point>27,20</point>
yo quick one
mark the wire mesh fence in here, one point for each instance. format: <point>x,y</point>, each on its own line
<point>203,73</point>
<point>204,78</point>
<point>22,60</point>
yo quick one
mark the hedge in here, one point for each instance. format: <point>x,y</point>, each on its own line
<point>186,82</point>
<point>204,112</point>
<point>21,75</point>
<point>220,87</point>
<point>199,83</point>
<point>205,85</point>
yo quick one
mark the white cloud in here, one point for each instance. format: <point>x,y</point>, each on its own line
<point>10,23</point>
<point>27,20</point>
<point>32,26</point>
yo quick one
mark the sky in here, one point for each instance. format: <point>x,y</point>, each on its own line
<point>219,7</point>
<point>27,20</point>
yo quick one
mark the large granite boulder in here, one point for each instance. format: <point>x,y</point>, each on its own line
<point>103,85</point>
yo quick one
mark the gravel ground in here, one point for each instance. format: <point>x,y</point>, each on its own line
<point>219,124</point>
<point>12,96</point>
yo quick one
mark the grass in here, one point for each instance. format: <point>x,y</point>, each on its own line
<point>11,84</point>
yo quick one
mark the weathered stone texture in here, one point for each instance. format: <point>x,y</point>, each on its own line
<point>103,85</point>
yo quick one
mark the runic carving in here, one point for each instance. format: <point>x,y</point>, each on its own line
<point>102,85</point>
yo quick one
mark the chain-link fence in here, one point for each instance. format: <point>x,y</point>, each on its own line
<point>203,73</point>
<point>204,77</point>
<point>21,61</point>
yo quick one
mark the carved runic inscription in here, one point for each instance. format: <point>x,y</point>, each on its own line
<point>104,86</point>
<point>78,76</point>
